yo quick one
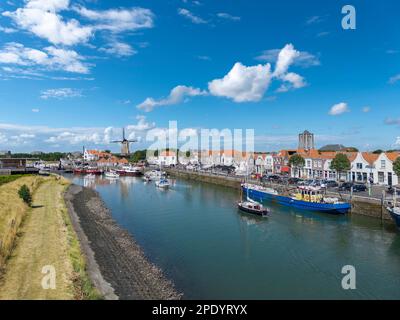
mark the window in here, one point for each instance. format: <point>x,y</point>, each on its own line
<point>309,163</point>
<point>359,166</point>
<point>383,164</point>
<point>381,176</point>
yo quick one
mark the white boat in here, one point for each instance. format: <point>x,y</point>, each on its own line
<point>130,171</point>
<point>111,174</point>
<point>253,207</point>
<point>163,183</point>
<point>147,178</point>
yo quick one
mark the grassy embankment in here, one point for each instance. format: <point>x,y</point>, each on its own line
<point>32,238</point>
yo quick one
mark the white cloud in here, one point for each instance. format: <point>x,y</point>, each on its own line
<point>314,20</point>
<point>75,138</point>
<point>177,95</point>
<point>228,16</point>
<point>7,30</point>
<point>119,20</point>
<point>142,124</point>
<point>394,79</point>
<point>50,58</point>
<point>42,19</point>
<point>338,109</point>
<point>303,59</point>
<point>286,57</point>
<point>119,49</point>
<point>189,15</point>
<point>366,109</point>
<point>293,80</point>
<point>392,121</point>
<point>61,93</point>
<point>242,83</point>
<point>35,110</point>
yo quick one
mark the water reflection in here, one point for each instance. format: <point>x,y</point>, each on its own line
<point>210,249</point>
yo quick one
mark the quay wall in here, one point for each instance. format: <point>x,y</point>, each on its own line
<point>371,207</point>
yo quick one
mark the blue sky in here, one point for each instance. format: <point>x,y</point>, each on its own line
<point>72,73</point>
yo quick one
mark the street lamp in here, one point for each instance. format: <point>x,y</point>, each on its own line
<point>371,167</point>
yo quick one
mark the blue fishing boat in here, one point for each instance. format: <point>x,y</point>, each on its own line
<point>305,198</point>
<point>395,214</point>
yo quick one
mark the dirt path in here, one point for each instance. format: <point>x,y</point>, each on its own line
<point>120,260</point>
<point>43,242</point>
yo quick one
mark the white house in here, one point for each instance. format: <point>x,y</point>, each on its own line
<point>167,158</point>
<point>383,169</point>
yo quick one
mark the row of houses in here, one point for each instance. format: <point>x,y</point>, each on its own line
<point>103,158</point>
<point>365,166</point>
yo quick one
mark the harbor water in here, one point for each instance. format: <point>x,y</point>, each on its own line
<point>196,235</point>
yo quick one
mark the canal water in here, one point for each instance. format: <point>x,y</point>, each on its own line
<point>210,250</point>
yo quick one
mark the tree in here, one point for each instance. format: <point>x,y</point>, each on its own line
<point>25,194</point>
<point>138,156</point>
<point>379,151</point>
<point>341,164</point>
<point>297,162</point>
<point>396,166</point>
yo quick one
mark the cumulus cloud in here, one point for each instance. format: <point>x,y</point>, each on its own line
<point>142,124</point>
<point>293,80</point>
<point>177,95</point>
<point>50,58</point>
<point>61,93</point>
<point>119,20</point>
<point>15,134</point>
<point>286,57</point>
<point>42,18</point>
<point>189,15</point>
<point>339,109</point>
<point>303,59</point>
<point>242,83</point>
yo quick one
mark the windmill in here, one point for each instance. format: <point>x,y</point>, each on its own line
<point>124,143</point>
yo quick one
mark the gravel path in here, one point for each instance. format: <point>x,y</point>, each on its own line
<point>116,263</point>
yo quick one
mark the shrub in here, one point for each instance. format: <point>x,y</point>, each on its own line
<point>25,194</point>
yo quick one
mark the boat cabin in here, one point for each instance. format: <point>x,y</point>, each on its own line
<point>310,194</point>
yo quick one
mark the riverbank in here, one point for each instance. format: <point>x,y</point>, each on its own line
<point>365,206</point>
<point>38,243</point>
<point>116,263</point>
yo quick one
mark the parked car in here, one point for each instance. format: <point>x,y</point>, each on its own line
<point>294,180</point>
<point>331,184</point>
<point>357,187</point>
<point>272,178</point>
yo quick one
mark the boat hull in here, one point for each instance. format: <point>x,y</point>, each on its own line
<point>255,212</point>
<point>129,173</point>
<point>395,217</point>
<point>341,208</point>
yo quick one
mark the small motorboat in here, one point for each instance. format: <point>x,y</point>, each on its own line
<point>253,207</point>
<point>146,178</point>
<point>162,183</point>
<point>111,174</point>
